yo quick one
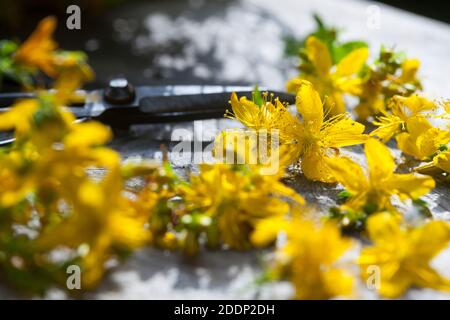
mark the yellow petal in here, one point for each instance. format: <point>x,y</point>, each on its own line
<point>294,84</point>
<point>334,104</point>
<point>414,103</point>
<point>238,146</point>
<point>353,86</point>
<point>310,107</point>
<point>128,231</point>
<point>409,70</point>
<point>447,106</point>
<point>384,227</point>
<point>245,111</point>
<point>106,157</point>
<point>427,277</point>
<point>388,126</point>
<point>395,286</point>
<point>403,254</point>
<point>314,166</point>
<point>410,185</point>
<point>379,160</point>
<point>352,63</point>
<point>431,238</point>
<point>442,161</point>
<point>417,125</point>
<point>19,116</point>
<point>422,139</point>
<point>88,134</point>
<point>319,55</point>
<point>266,230</point>
<point>408,145</point>
<point>284,191</point>
<point>90,194</point>
<point>342,131</point>
<point>38,49</point>
<point>290,153</point>
<point>338,283</point>
<point>348,173</point>
<point>70,79</point>
<point>430,141</point>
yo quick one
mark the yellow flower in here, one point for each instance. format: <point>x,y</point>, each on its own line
<point>102,220</point>
<point>308,258</point>
<point>401,110</point>
<point>155,199</point>
<point>380,183</point>
<point>254,148</point>
<point>403,255</point>
<point>271,115</point>
<point>39,51</point>
<point>71,78</point>
<point>269,125</point>
<point>316,139</point>
<point>422,140</point>
<point>331,81</point>
<point>442,161</point>
<point>228,200</point>
<point>311,139</point>
<point>19,117</point>
<point>409,71</point>
<point>13,184</point>
<point>46,172</point>
<point>386,77</point>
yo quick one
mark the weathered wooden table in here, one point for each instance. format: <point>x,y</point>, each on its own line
<point>241,42</point>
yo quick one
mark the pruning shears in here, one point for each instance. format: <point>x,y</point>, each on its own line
<point>120,104</point>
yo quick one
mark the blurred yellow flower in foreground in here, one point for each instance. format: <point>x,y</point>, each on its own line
<point>403,255</point>
<point>331,81</point>
<point>227,200</point>
<point>40,51</point>
<point>18,117</point>
<point>380,183</point>
<point>309,257</point>
<point>44,177</point>
<point>102,221</point>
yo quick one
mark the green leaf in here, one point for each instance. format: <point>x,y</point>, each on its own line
<point>370,208</point>
<point>319,21</point>
<point>257,97</point>
<point>443,147</point>
<point>344,195</point>
<point>292,46</point>
<point>7,48</point>
<point>422,207</point>
<point>348,220</point>
<point>340,51</point>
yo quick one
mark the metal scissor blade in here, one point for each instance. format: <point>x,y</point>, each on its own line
<point>193,98</point>
<point>152,104</point>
